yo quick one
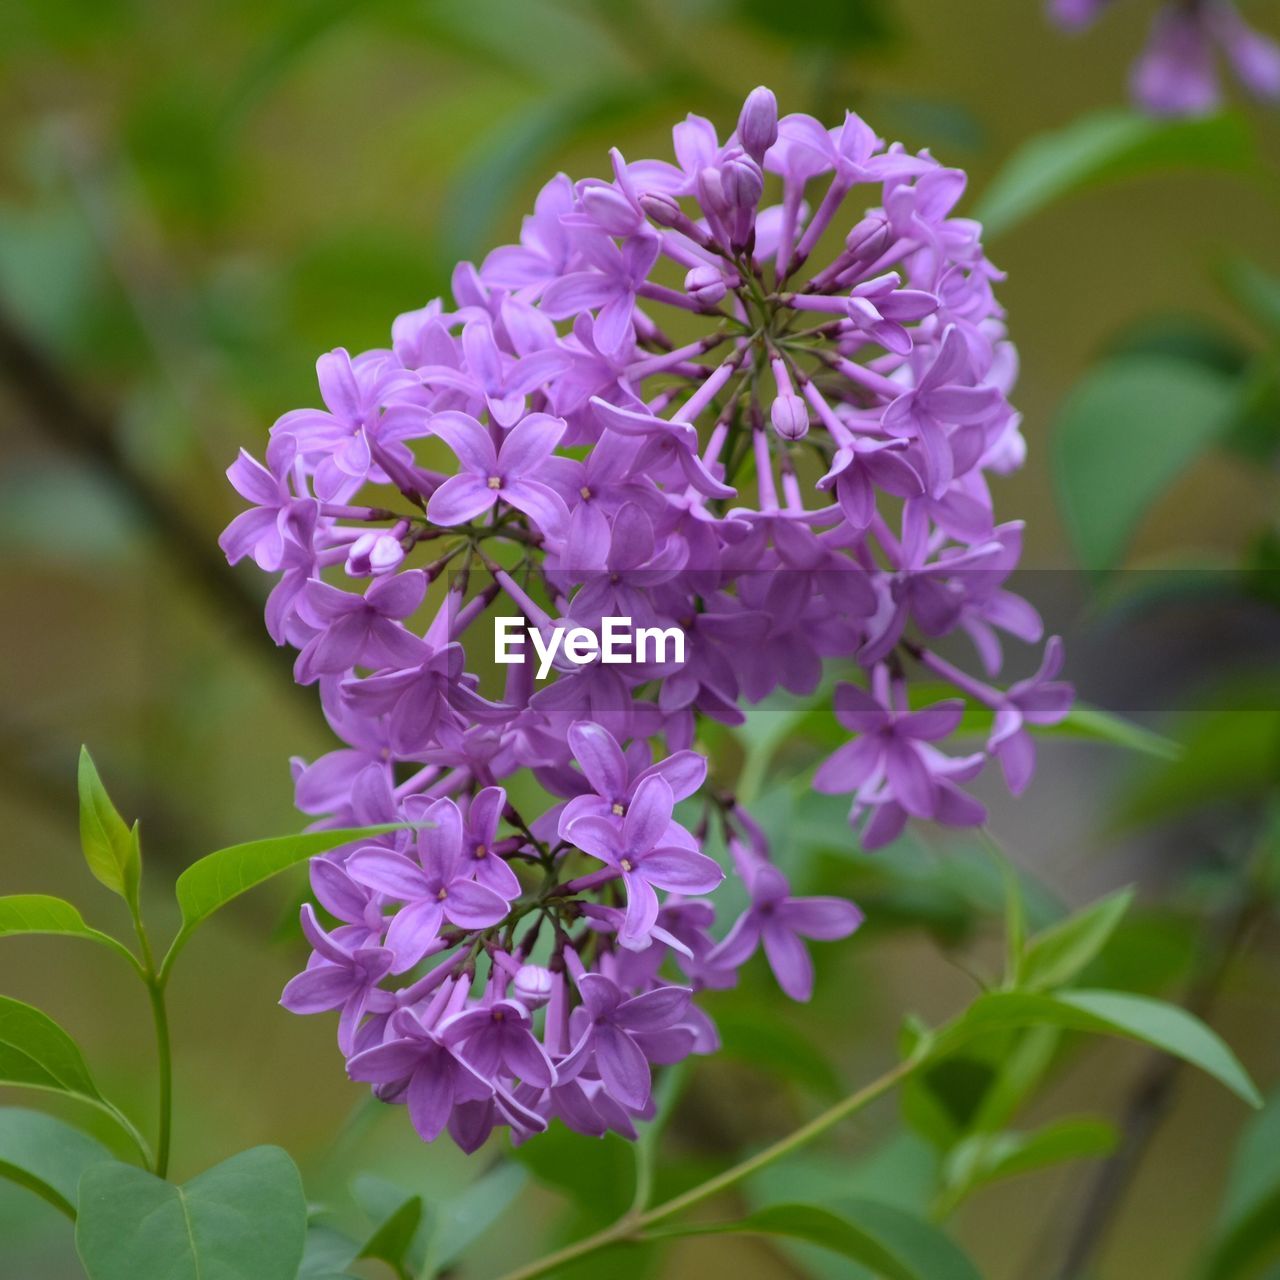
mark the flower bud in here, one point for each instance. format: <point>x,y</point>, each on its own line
<point>868,238</point>
<point>663,209</point>
<point>706,285</point>
<point>373,554</point>
<point>758,123</point>
<point>742,182</point>
<point>610,210</point>
<point>790,417</point>
<point>533,985</point>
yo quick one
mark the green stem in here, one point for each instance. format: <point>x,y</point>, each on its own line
<point>156,980</point>
<point>630,1227</point>
<point>164,1053</point>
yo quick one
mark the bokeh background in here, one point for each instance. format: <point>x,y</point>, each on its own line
<point>196,199</point>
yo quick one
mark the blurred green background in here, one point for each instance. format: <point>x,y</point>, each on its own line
<point>197,199</point>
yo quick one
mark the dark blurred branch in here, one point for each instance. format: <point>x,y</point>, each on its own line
<point>56,406</point>
<point>1153,1092</point>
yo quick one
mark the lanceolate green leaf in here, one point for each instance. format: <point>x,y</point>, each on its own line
<point>891,1243</point>
<point>1248,1230</point>
<point>110,846</point>
<point>245,1219</point>
<point>988,1157</point>
<point>36,1052</point>
<point>394,1237</point>
<point>1153,1022</point>
<point>1059,953</point>
<point>38,913</point>
<point>220,877</point>
<point>1122,436</point>
<point>46,1155</point>
<point>1103,148</point>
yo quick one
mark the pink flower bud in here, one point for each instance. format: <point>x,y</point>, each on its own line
<point>758,123</point>
<point>608,207</point>
<point>663,209</point>
<point>533,985</point>
<point>705,285</point>
<point>373,554</point>
<point>790,417</point>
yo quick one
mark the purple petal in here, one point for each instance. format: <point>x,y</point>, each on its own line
<point>473,906</point>
<point>459,499</point>
<point>388,872</point>
<point>681,870</point>
<point>622,1067</point>
<point>648,814</point>
<point>597,751</point>
<point>430,1101</point>
<point>789,959</point>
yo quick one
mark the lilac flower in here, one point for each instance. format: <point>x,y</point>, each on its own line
<point>610,284</point>
<point>337,978</point>
<point>780,922</point>
<point>889,748</point>
<point>505,473</point>
<point>499,1037</point>
<point>420,1068</point>
<point>259,532</point>
<point>634,847</point>
<point>1176,73</point>
<point>944,395</point>
<point>1040,700</point>
<point>606,389</point>
<point>611,1027</point>
<point>435,887</point>
<point>615,780</point>
<point>359,630</point>
<point>480,835</point>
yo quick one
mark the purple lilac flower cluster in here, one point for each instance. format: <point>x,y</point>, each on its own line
<point>1177,73</point>
<point>657,407</point>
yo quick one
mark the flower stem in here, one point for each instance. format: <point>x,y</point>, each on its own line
<point>631,1226</point>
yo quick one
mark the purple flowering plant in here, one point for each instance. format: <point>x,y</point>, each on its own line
<point>755,397</point>
<point>1177,73</point>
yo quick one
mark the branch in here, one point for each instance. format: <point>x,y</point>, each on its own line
<point>629,1228</point>
<point>49,397</point>
<point>1152,1095</point>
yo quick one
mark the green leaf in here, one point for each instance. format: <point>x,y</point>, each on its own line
<point>1021,1068</point>
<point>110,846</point>
<point>218,878</point>
<point>1055,956</point>
<point>597,1174</point>
<point>465,1218</point>
<point>394,1236</point>
<point>1096,725</point>
<point>1121,438</point>
<point>1257,291</point>
<point>987,1157</point>
<point>47,1155</point>
<point>36,1052</point>
<point>38,913</point>
<point>1231,754</point>
<point>1247,1233</point>
<point>245,1219</point>
<point>766,1043</point>
<point>1153,1022</point>
<point>894,1244</point>
<point>326,1254</point>
<point>1105,147</point>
